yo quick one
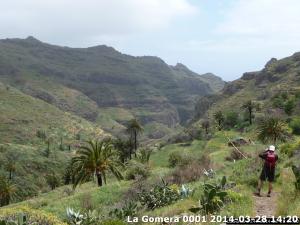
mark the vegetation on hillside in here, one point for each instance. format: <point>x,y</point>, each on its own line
<point>211,167</point>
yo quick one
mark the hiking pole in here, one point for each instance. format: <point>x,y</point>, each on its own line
<point>236,147</point>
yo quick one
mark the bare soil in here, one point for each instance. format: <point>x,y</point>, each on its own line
<point>265,206</point>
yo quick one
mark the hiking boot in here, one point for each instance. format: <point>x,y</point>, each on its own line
<point>269,194</point>
<point>257,194</point>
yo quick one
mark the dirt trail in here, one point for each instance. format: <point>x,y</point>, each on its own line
<point>265,206</point>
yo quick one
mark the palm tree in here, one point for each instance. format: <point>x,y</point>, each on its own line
<point>7,191</point>
<point>219,117</point>
<point>272,129</point>
<point>250,106</point>
<point>134,128</point>
<point>95,158</point>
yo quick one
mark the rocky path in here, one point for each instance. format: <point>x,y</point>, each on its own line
<point>265,206</point>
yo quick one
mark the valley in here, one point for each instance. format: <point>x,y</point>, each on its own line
<point>92,136</point>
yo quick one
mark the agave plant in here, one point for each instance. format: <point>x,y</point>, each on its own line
<point>185,191</point>
<point>76,218</point>
<point>129,209</point>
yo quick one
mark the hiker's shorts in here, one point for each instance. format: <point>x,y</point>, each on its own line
<point>267,174</point>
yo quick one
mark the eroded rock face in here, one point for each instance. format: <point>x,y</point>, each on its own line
<point>146,86</point>
<point>249,75</point>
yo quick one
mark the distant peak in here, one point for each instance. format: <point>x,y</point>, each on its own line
<point>271,62</point>
<point>32,39</point>
<point>180,66</point>
<point>210,75</point>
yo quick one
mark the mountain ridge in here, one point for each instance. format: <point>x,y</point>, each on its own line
<point>277,76</point>
<point>146,86</point>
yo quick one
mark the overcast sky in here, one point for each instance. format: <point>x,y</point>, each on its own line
<point>225,37</point>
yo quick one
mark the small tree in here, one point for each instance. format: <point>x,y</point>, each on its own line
<point>219,117</point>
<point>231,119</point>
<point>289,106</point>
<point>52,181</point>
<point>250,106</point>
<point>205,125</point>
<point>134,128</point>
<point>272,129</point>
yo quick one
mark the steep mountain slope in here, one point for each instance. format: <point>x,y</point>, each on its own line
<point>38,139</point>
<point>278,76</point>
<point>85,81</point>
<point>215,83</point>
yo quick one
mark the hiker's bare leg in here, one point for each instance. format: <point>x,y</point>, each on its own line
<point>270,187</point>
<point>260,183</point>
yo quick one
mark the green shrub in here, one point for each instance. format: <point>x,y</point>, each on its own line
<point>178,158</point>
<point>295,125</point>
<point>246,171</point>
<point>136,170</point>
<point>189,172</point>
<point>289,106</point>
<point>288,149</point>
<point>53,181</point>
<point>129,209</point>
<point>231,119</point>
<point>143,155</point>
<point>41,134</point>
<point>159,196</point>
<point>239,203</point>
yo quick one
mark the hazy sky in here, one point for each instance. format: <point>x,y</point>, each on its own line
<point>226,37</point>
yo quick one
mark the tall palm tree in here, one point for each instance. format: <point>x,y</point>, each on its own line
<point>250,106</point>
<point>7,191</point>
<point>134,128</point>
<point>95,159</point>
<point>219,117</point>
<point>272,129</point>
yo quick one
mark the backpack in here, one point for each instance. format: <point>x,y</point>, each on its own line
<point>271,159</point>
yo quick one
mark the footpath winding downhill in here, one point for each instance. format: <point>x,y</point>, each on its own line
<point>265,206</point>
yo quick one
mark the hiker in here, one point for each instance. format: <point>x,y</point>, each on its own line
<point>268,172</point>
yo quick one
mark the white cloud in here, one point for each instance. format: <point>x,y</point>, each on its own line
<point>263,18</point>
<point>249,33</point>
<point>77,19</point>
